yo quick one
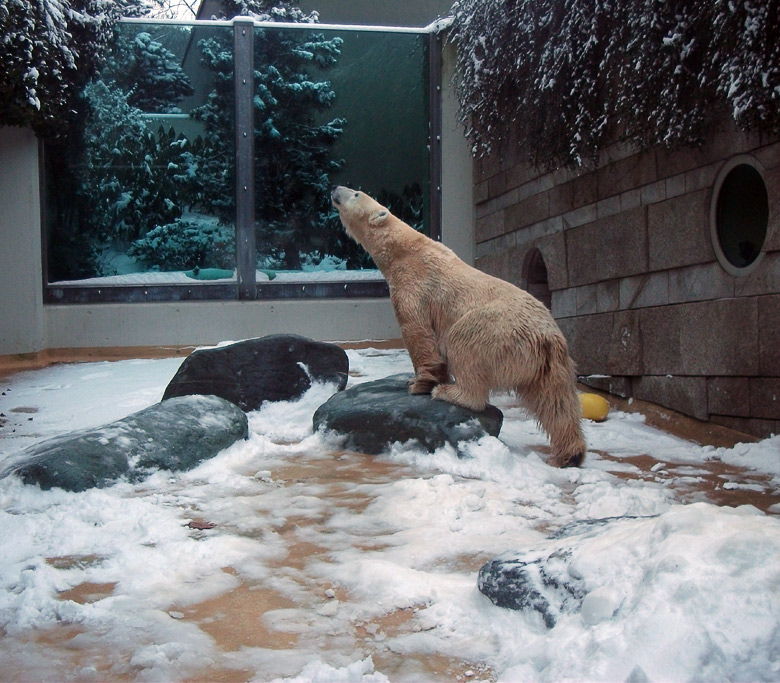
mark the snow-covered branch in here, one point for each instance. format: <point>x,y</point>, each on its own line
<point>50,50</point>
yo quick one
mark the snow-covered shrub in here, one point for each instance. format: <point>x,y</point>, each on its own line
<point>564,78</point>
<point>129,181</point>
<point>187,244</point>
<point>50,49</point>
<point>321,262</point>
<point>265,10</point>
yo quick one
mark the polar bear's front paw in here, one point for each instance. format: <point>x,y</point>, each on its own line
<point>421,386</point>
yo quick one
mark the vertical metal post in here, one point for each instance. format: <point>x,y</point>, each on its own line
<point>43,189</point>
<point>435,130</point>
<point>243,69</point>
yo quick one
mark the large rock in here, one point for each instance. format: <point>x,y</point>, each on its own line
<point>541,585</point>
<point>279,367</point>
<point>173,435</point>
<point>377,414</point>
<point>548,579</point>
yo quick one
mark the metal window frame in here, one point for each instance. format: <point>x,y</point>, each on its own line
<point>246,288</point>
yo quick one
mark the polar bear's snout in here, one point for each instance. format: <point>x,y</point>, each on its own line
<point>340,194</point>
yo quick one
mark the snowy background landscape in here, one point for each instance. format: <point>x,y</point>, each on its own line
<point>286,557</point>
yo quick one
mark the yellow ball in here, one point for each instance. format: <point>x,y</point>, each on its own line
<point>594,407</point>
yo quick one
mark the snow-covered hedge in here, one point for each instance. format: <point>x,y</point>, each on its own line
<point>187,244</point>
<point>565,78</point>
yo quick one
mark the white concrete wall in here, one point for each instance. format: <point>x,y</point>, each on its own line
<point>209,322</point>
<point>21,303</point>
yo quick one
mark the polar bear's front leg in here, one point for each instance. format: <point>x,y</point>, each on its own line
<point>427,377</point>
<point>430,369</point>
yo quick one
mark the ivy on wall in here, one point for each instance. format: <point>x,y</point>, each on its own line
<point>563,79</point>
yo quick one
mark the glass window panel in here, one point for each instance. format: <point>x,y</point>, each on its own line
<point>334,106</point>
<point>140,189</point>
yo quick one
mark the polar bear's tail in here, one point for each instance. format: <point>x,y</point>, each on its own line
<point>552,398</point>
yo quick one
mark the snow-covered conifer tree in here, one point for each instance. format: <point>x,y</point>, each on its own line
<point>50,49</point>
<point>292,149</point>
<point>149,73</point>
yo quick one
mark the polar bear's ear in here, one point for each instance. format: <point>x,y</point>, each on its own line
<point>379,217</point>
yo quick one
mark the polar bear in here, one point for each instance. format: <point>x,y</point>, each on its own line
<point>467,332</point>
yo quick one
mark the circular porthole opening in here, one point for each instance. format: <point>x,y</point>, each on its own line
<point>739,216</point>
<point>535,277</point>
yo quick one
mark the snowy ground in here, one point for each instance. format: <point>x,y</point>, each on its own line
<point>324,565</point>
<point>180,278</point>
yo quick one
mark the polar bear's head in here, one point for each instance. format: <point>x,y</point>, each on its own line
<point>359,213</point>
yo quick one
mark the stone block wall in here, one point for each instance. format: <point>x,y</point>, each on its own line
<point>635,283</point>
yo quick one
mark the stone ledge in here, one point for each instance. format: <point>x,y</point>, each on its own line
<point>11,363</point>
<point>753,426</point>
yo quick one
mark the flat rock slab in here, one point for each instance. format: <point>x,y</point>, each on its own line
<point>173,435</point>
<point>377,414</point>
<point>278,367</point>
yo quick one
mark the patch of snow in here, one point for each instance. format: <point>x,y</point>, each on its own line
<point>672,591</point>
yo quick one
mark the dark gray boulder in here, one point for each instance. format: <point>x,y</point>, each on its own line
<point>172,435</point>
<point>542,580</point>
<point>377,414</point>
<point>278,367</point>
<point>540,584</point>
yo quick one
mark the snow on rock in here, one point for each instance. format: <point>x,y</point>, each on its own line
<point>540,585</point>
<point>649,585</point>
<point>603,570</point>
